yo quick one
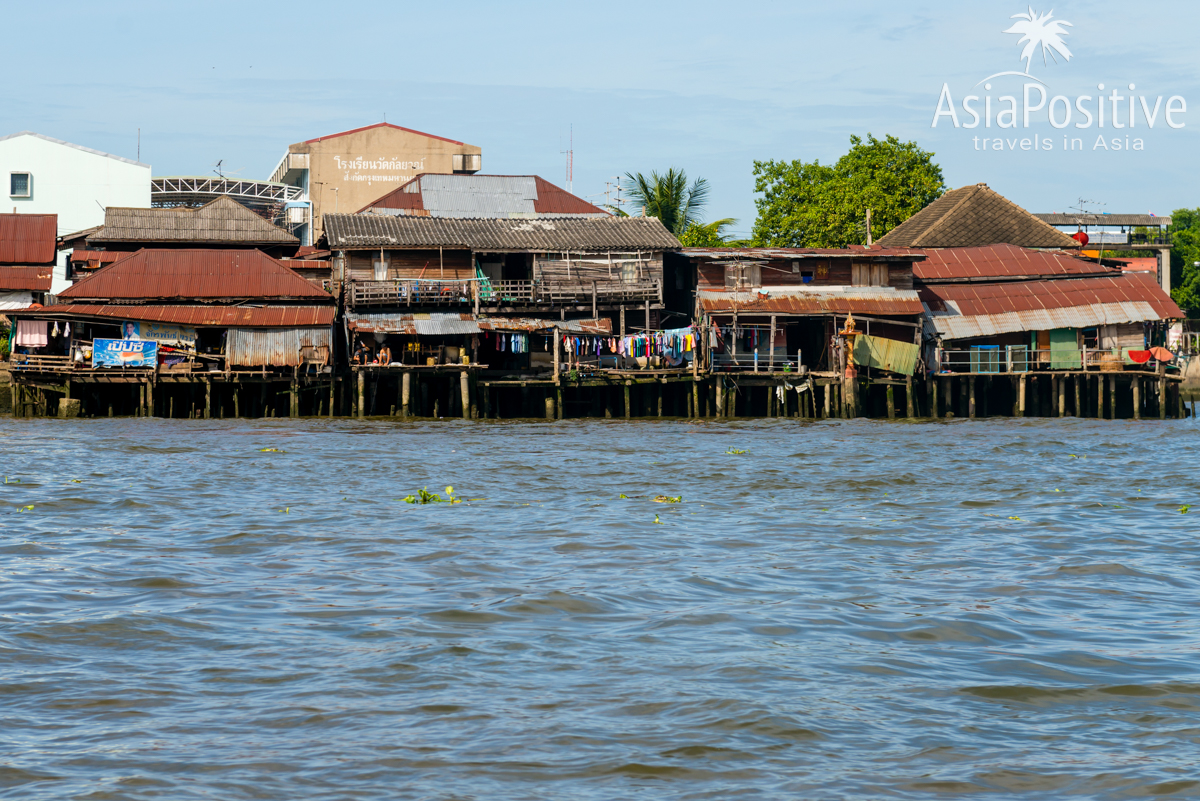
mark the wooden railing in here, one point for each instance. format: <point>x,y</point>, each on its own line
<point>22,361</point>
<point>500,293</point>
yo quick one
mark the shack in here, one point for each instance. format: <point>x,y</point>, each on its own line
<point>27,257</point>
<point>1020,332</point>
<point>775,320</point>
<point>181,333</point>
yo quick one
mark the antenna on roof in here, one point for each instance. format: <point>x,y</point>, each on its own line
<point>222,173</point>
<point>570,151</point>
<point>1083,204</point>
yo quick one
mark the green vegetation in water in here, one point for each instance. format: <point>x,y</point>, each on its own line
<point>13,480</point>
<point>656,520</point>
<point>26,508</point>
<point>668,499</point>
<point>269,450</point>
<point>1183,510</point>
<point>424,496</point>
<point>734,452</point>
<point>622,496</point>
<point>287,510</point>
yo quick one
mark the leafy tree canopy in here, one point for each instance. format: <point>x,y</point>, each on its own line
<point>815,205</point>
<point>1185,252</point>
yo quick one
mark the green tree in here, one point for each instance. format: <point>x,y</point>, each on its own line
<point>807,204</point>
<point>707,235</point>
<point>1185,252</point>
<point>669,198</point>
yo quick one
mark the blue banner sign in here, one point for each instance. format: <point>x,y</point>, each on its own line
<point>124,353</point>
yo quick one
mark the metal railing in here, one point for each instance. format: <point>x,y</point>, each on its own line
<point>1020,359</point>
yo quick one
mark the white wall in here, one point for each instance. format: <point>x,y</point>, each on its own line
<point>74,182</point>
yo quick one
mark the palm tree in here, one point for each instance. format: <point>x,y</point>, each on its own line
<point>1039,31</point>
<point>669,198</point>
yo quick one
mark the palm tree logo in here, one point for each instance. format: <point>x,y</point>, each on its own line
<point>1038,30</point>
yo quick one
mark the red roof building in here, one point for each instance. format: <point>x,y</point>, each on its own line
<point>28,239</point>
<point>481,196</point>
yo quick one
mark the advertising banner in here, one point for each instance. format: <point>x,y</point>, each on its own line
<point>124,353</point>
<point>165,333</point>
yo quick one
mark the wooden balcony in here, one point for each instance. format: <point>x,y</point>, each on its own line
<point>362,294</point>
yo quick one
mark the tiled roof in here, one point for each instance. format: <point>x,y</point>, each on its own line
<point>28,238</point>
<point>216,316</point>
<point>962,311</point>
<point>858,300</point>
<point>996,261</point>
<point>195,275</point>
<point>974,216</point>
<point>479,196</point>
<point>15,279</point>
<point>223,221</point>
<point>593,234</point>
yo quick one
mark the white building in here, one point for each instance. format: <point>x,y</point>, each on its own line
<point>48,176</point>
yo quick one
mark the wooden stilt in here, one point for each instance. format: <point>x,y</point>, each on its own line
<point>1021,395</point>
<point>550,412</point>
<point>558,392</point>
<point>1100,397</point>
<point>464,388</point>
<point>406,394</point>
<point>237,391</point>
<point>720,388</point>
<point>1112,397</point>
<point>1162,394</point>
<point>362,394</point>
<point>208,399</point>
<point>909,401</point>
<point>1078,396</point>
<point>1137,398</point>
<point>891,402</point>
<point>1062,396</point>
<point>294,411</point>
<point>628,410</point>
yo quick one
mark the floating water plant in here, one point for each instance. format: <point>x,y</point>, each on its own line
<point>734,452</point>
<point>269,450</point>
<point>623,496</point>
<point>13,480</point>
<point>656,520</point>
<point>425,496</point>
<point>26,509</point>
<point>1183,510</point>
<point>668,499</point>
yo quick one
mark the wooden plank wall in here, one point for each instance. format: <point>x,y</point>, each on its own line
<point>826,272</point>
<point>409,264</point>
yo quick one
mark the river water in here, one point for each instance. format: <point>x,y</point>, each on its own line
<point>846,610</point>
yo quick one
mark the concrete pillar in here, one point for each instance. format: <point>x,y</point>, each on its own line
<point>1021,395</point>
<point>1137,398</point>
<point>406,394</point>
<point>69,407</point>
<point>970,396</point>
<point>550,412</point>
<point>361,394</point>
<point>1100,396</point>
<point>720,387</point>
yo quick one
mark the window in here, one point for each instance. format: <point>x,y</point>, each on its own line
<point>381,269</point>
<point>20,184</point>
<point>869,274</point>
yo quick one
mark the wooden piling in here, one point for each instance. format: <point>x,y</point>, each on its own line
<point>294,398</point>
<point>1021,395</point>
<point>1137,398</point>
<point>208,399</point>
<point>1062,396</point>
<point>628,411</point>
<point>1112,397</point>
<point>464,389</point>
<point>149,398</point>
<point>550,413</point>
<point>891,403</point>
<point>720,387</point>
<point>236,393</point>
<point>1162,393</point>
<point>910,402</point>
<point>558,392</point>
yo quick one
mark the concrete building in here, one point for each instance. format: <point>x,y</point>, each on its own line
<point>48,176</point>
<point>344,172</point>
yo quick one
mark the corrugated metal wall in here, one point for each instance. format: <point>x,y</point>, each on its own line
<point>886,354</point>
<point>278,347</point>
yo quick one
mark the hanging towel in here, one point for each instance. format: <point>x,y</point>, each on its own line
<point>32,333</point>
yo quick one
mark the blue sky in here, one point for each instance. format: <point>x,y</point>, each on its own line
<point>705,86</point>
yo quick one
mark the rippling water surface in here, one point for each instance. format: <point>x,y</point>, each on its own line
<point>846,610</point>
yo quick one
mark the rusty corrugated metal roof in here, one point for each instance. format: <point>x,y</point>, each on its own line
<point>465,323</point>
<point>28,238</point>
<point>856,252</point>
<point>962,310</point>
<point>201,316</point>
<point>195,275</point>
<point>102,256</point>
<point>996,261</point>
<point>864,300</point>
<point>560,234</point>
<point>36,279</point>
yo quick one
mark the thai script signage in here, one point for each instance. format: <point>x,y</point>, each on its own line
<point>159,332</point>
<point>124,353</point>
